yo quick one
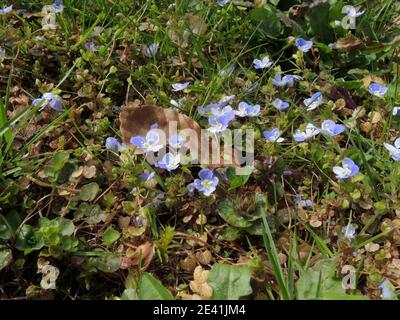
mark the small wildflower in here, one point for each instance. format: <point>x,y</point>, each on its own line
<point>262,64</point>
<point>332,129</point>
<point>190,187</point>
<point>280,105</point>
<point>90,46</point>
<point>147,176</point>
<point>394,150</point>
<point>396,111</point>
<point>347,170</point>
<point>247,110</point>
<point>112,144</point>
<point>303,203</point>
<point>310,132</point>
<point>377,89</point>
<point>304,45</point>
<point>226,72</point>
<point>287,80</point>
<point>314,102</point>
<point>227,111</point>
<point>58,6</point>
<point>176,141</point>
<point>387,290</point>
<point>151,50</point>
<point>180,86</point>
<point>273,135</point>
<point>224,101</point>
<point>218,124</point>
<point>223,3</point>
<point>6,9</point>
<point>207,182</point>
<point>349,231</point>
<point>352,12</point>
<point>48,98</point>
<point>150,143</point>
<point>169,162</point>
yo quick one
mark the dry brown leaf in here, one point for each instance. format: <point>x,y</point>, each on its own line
<point>349,43</point>
<point>137,121</point>
<point>143,254</point>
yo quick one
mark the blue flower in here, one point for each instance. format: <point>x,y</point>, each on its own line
<point>273,135</point>
<point>349,231</point>
<point>396,111</point>
<point>261,64</point>
<point>169,162</point>
<point>226,72</point>
<point>247,110</point>
<point>176,141</point>
<point>6,9</point>
<point>314,102</point>
<point>303,203</point>
<point>224,101</point>
<point>55,102</point>
<point>287,80</point>
<point>332,129</point>
<point>387,290</point>
<point>222,3</point>
<point>377,89</point>
<point>146,176</point>
<point>151,50</point>
<point>180,86</point>
<point>112,144</point>
<point>352,12</point>
<point>207,182</point>
<point>347,170</point>
<point>226,111</point>
<point>304,45</point>
<point>90,46</point>
<point>58,6</point>
<point>218,124</point>
<point>394,150</point>
<point>280,105</point>
<point>310,132</point>
<point>150,143</point>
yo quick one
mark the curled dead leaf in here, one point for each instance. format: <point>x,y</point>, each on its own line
<point>137,121</point>
<point>349,43</point>
<point>143,255</point>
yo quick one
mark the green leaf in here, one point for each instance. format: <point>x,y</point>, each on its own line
<point>229,282</point>
<point>270,248</point>
<point>5,258</point>
<point>228,212</point>
<point>151,289</point>
<point>110,236</point>
<point>106,262</point>
<point>238,181</point>
<point>89,191</point>
<point>266,20</point>
<point>129,294</point>
<point>28,240</point>
<point>318,18</point>
<point>319,282</point>
<point>9,224</point>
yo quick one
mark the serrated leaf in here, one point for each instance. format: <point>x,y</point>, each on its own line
<point>228,212</point>
<point>229,282</point>
<point>151,289</point>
